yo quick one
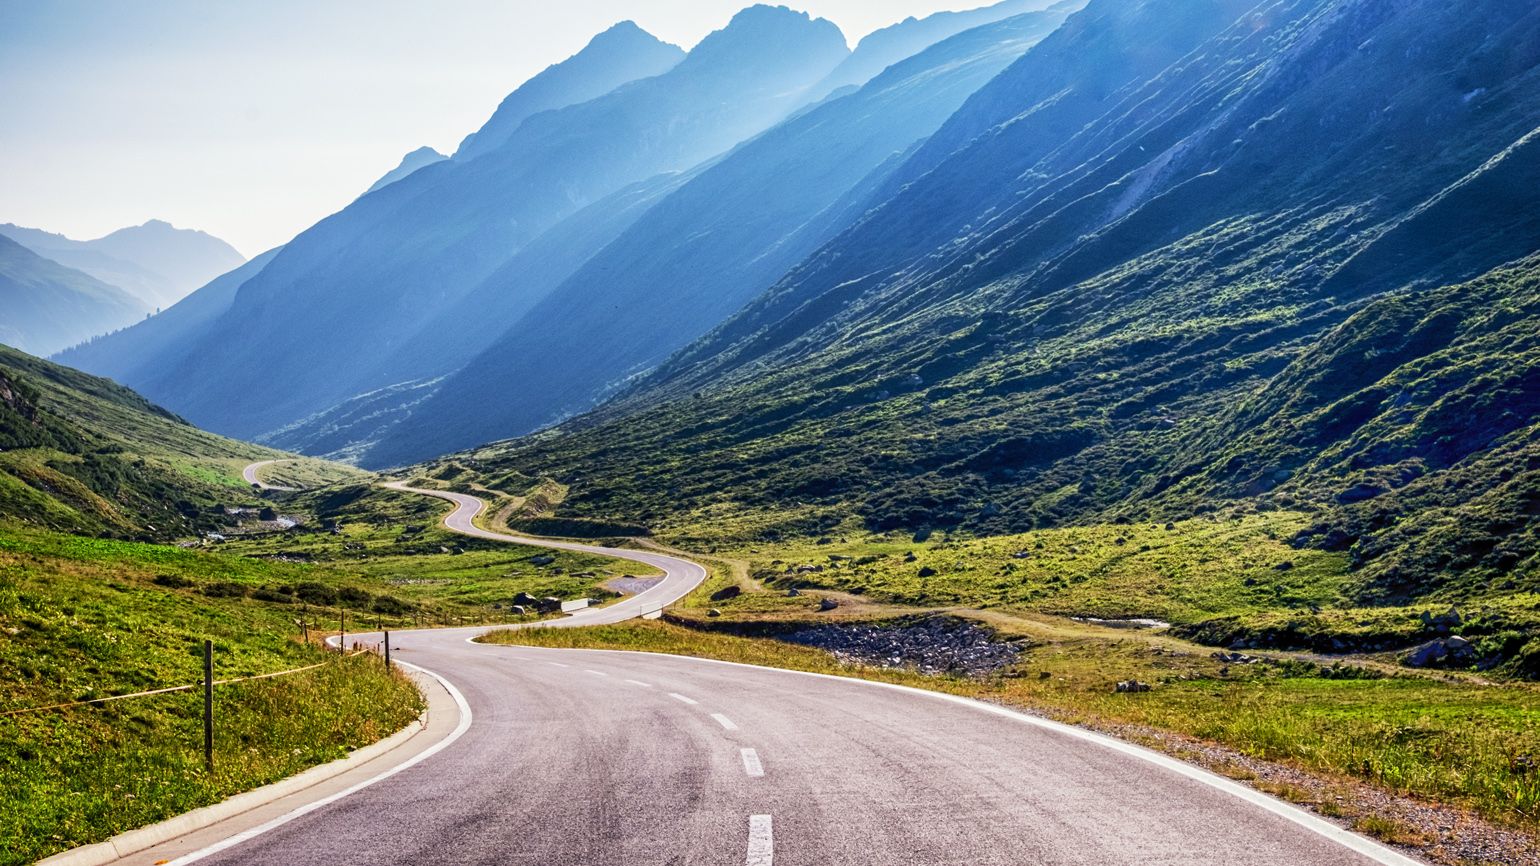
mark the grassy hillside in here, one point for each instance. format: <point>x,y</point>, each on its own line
<point>83,454</point>
<point>83,618</point>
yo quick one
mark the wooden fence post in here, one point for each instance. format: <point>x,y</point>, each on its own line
<point>387,650</point>
<point>208,705</point>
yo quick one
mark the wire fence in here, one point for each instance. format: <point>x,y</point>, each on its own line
<point>207,685</point>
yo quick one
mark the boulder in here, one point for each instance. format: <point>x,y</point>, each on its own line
<point>524,598</point>
<point>519,610</point>
<point>1130,687</point>
<point>793,592</point>
<point>1426,655</point>
<point>727,592</point>
<point>827,604</point>
<point>927,571</point>
<point>542,559</point>
<point>713,612</point>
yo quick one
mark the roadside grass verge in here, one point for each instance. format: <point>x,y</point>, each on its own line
<point>83,618</point>
<point>1467,744</point>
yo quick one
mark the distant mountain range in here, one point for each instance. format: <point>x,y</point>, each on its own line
<point>156,262</point>
<point>49,306</point>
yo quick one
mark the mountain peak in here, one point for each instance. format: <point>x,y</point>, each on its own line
<point>621,54</point>
<point>766,31</point>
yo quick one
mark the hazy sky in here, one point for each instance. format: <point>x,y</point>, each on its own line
<point>252,120</point>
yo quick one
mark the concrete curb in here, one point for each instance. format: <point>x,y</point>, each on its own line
<point>135,841</point>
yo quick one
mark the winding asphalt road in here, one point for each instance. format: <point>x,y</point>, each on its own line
<point>250,474</point>
<point>594,757</point>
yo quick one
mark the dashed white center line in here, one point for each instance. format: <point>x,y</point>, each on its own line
<point>558,664</point>
<point>724,721</point>
<point>761,841</point>
<point>595,673</point>
<point>682,699</point>
<point>751,763</point>
<point>640,683</point>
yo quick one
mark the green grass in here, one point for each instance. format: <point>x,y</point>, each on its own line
<point>1194,570</point>
<point>84,618</point>
<point>1462,743</point>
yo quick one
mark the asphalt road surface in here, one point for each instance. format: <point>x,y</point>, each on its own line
<point>250,474</point>
<point>590,757</point>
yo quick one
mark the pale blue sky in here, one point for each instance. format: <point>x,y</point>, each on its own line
<point>252,120</point>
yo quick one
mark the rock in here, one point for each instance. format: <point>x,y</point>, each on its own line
<point>1021,554</point>
<point>1426,655</point>
<point>726,593</point>
<point>524,598</point>
<point>910,557</point>
<point>927,571</point>
<point>713,612</point>
<point>1130,687</point>
<point>519,610</point>
<point>921,536</point>
<point>1284,566</point>
<point>793,592</point>
<point>826,604</point>
<point>542,560</point>
<point>1043,675</point>
<point>548,604</point>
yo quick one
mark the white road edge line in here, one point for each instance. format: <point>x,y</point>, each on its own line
<point>761,841</point>
<point>724,721</point>
<point>441,745</point>
<point>1346,838</point>
<point>640,683</point>
<point>751,763</point>
<point>682,699</point>
<point>558,664</point>
<point>595,673</point>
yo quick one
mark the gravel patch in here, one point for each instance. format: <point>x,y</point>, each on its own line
<point>937,645</point>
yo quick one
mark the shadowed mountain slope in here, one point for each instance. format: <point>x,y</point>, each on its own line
<point>300,336</point>
<point>122,355</point>
<point>706,249</point>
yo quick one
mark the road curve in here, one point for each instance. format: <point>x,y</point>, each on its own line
<point>598,757</point>
<point>681,576</point>
<point>250,474</point>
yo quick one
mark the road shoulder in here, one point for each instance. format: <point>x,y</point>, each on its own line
<point>185,837</point>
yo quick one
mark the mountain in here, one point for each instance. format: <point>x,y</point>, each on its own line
<point>83,454</point>
<point>121,355</point>
<point>705,250</point>
<point>1172,259</point>
<point>303,335</point>
<point>49,306</point>
<point>419,158</point>
<point>619,55</point>
<point>883,48</point>
<point>156,262</point>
